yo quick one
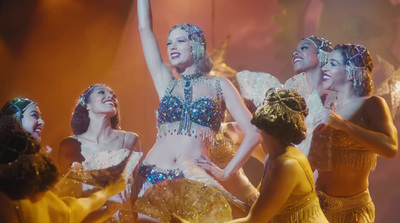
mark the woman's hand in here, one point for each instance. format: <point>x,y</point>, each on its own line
<point>205,163</point>
<point>329,117</point>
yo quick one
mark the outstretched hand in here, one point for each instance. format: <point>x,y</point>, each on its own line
<point>205,163</point>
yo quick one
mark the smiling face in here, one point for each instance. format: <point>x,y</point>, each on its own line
<point>179,49</point>
<point>334,72</point>
<point>32,121</point>
<point>304,57</point>
<point>102,101</point>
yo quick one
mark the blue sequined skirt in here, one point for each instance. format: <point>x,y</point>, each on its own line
<point>155,175</point>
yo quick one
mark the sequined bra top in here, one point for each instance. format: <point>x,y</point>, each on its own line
<point>335,149</point>
<point>202,116</point>
<point>346,150</point>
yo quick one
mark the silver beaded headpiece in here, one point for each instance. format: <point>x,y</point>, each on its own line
<point>323,48</point>
<point>197,40</point>
<point>356,66</point>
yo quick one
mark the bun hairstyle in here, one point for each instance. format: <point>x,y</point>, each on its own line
<point>282,115</point>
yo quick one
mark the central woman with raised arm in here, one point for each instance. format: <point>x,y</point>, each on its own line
<point>191,107</point>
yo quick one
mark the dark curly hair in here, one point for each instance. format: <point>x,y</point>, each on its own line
<point>283,115</point>
<point>24,168</point>
<point>359,66</point>
<point>80,117</point>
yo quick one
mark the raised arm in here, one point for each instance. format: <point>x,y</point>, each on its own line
<point>379,137</point>
<point>159,71</point>
<point>242,116</point>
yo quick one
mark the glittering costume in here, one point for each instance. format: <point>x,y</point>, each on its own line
<point>192,200</point>
<point>154,186</point>
<point>348,209</point>
<point>344,152</point>
<point>253,85</point>
<point>98,171</point>
<point>299,208</point>
<point>200,117</point>
<point>48,209</point>
<point>221,154</point>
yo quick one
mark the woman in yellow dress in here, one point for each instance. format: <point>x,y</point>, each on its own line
<point>287,192</point>
<point>26,176</point>
<point>359,129</point>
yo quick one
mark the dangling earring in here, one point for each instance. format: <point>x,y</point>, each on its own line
<point>322,57</point>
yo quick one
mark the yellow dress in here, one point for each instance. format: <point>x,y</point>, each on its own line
<point>346,152</point>
<point>300,208</point>
<point>48,209</point>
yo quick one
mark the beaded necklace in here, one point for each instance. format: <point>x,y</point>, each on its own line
<point>188,81</point>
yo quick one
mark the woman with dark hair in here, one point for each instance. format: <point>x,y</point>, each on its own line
<point>287,192</point>
<point>308,58</point>
<point>189,115</point>
<point>27,114</point>
<point>360,128</point>
<point>26,176</point>
<point>98,145</point>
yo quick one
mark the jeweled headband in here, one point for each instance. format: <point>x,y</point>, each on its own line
<point>356,66</point>
<point>281,101</point>
<point>272,110</point>
<point>323,48</point>
<point>16,106</point>
<point>83,98</point>
<point>197,40</point>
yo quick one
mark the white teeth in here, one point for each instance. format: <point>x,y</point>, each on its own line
<point>174,54</point>
<point>327,77</point>
<point>297,59</point>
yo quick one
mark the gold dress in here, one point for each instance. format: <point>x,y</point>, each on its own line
<point>345,151</point>
<point>300,208</point>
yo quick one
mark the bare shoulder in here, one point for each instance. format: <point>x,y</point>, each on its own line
<point>131,139</point>
<point>375,101</point>
<point>288,166</point>
<point>375,105</point>
<point>225,82</point>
